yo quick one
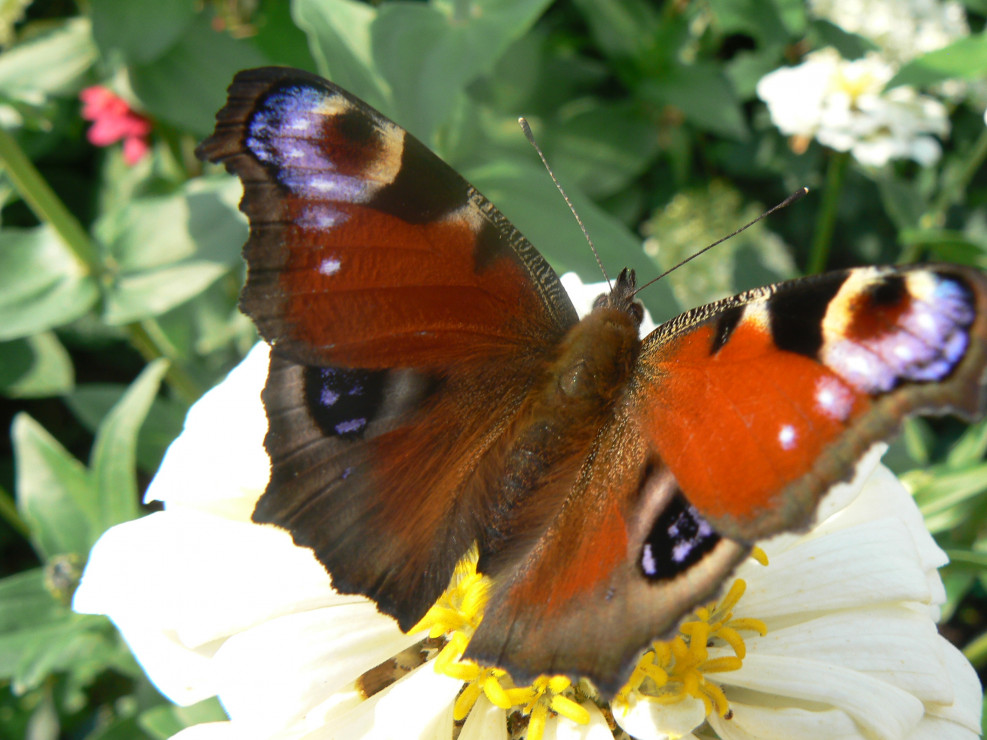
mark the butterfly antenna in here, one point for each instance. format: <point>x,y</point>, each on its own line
<point>531,140</point>
<point>797,195</point>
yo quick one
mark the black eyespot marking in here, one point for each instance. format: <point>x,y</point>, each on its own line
<point>408,200</point>
<point>344,402</point>
<point>796,314</point>
<point>679,539</point>
<point>888,292</point>
<point>726,322</point>
<point>354,126</point>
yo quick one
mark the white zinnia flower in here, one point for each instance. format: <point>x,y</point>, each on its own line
<point>844,105</point>
<point>213,604</point>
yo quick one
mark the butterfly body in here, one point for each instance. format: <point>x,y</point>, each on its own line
<point>431,390</point>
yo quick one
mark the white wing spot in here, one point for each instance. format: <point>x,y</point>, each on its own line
<point>787,436</point>
<point>330,266</point>
<point>833,399</point>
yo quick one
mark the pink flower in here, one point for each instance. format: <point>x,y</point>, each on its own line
<point>113,120</point>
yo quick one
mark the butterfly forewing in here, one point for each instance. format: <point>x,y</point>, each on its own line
<point>760,403</point>
<point>408,319</point>
<point>365,249</point>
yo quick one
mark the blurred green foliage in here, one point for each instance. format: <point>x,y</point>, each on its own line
<point>118,283</point>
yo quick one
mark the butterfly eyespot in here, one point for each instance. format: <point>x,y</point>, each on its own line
<point>679,538</point>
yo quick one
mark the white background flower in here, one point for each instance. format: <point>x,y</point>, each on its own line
<point>843,104</point>
<point>903,29</point>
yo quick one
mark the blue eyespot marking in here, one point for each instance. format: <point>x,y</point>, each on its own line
<point>343,401</point>
<point>287,133</point>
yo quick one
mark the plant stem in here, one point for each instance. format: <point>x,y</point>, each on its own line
<point>47,206</point>
<point>835,175</point>
<point>956,185</point>
<point>146,337</point>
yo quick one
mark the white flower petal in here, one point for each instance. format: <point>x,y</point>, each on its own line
<point>865,564</point>
<point>485,722</point>
<point>785,723</point>
<point>182,674</point>
<point>218,463</point>
<point>883,711</point>
<point>201,576</point>
<point>843,104</point>
<point>417,707</point>
<point>961,716</point>
<point>563,728</point>
<point>313,653</point>
<point>893,643</point>
<point>646,719</point>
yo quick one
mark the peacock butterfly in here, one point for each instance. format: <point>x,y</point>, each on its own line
<point>431,390</point>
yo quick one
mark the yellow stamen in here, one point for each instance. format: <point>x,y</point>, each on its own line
<point>669,672</point>
<point>759,555</point>
<point>679,668</point>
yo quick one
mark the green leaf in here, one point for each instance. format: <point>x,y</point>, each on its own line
<point>704,95</point>
<point>946,246</point>
<point>525,194</point>
<point>44,724</point>
<point>823,33</point>
<point>942,496</point>
<point>39,636</point>
<point>429,53</point>
<point>52,63</point>
<point>42,284</point>
<point>55,493</point>
<point>71,644</point>
<point>339,38</point>
<point>140,296</point>
<point>171,248</point>
<point>115,449</point>
<point>121,728</point>
<point>92,402</point>
<point>602,147</point>
<point>970,447</point>
<point>965,59</point>
<point>160,23</point>
<point>758,18</point>
<point>25,600</point>
<point>35,367</point>
<point>625,29</point>
<point>165,720</point>
<point>187,84</point>
<point>902,200</point>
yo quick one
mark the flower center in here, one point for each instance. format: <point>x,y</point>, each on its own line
<point>675,669</point>
<point>667,673</point>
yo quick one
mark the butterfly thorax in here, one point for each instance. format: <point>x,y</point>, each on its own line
<point>539,457</point>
